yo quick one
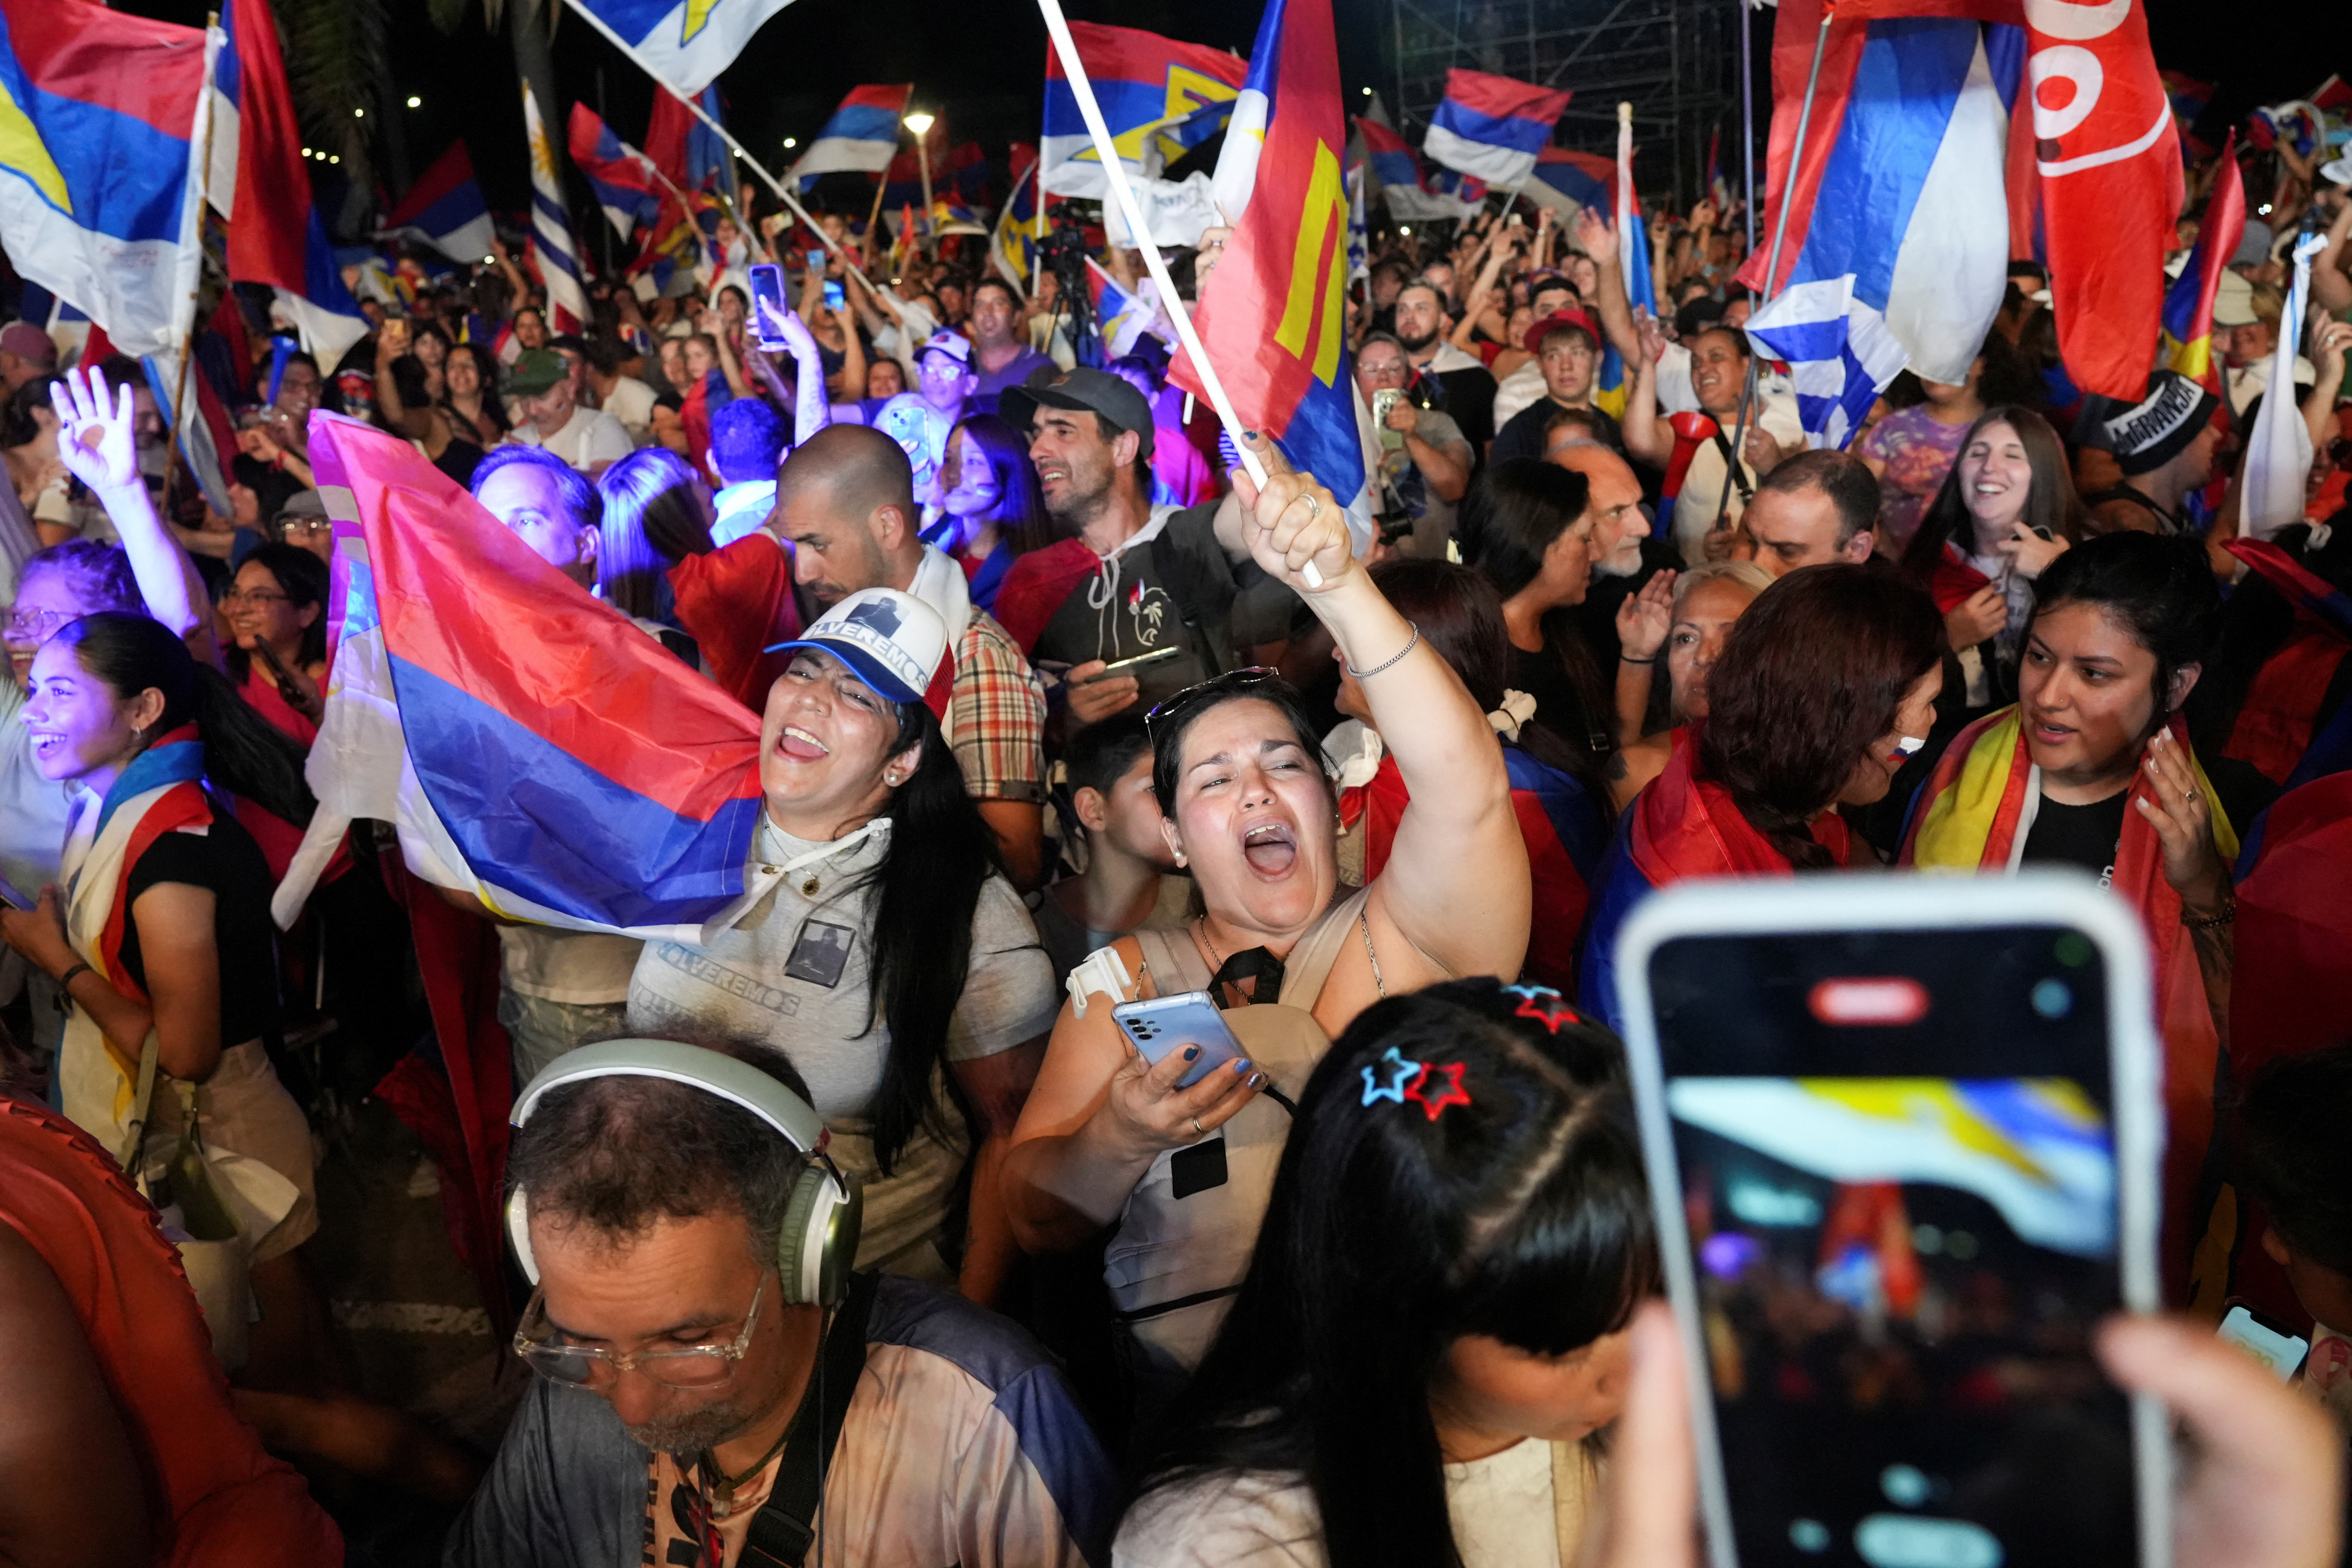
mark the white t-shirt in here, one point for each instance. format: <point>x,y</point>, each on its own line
<point>1518,392</point>
<point>1702,489</point>
<point>1502,1509</point>
<point>630,402</point>
<point>591,436</point>
<point>742,508</point>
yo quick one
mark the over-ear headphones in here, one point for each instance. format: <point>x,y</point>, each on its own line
<point>818,1243</point>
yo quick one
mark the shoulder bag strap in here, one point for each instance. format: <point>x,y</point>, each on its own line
<point>142,1097</point>
<point>781,1532</point>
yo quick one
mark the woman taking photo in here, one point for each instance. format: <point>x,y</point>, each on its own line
<point>1679,619</point>
<point>991,511</point>
<point>886,943</point>
<point>1529,528</point>
<point>1106,1137</point>
<point>2006,511</point>
<point>1436,1315</point>
<point>2092,768</point>
<point>1826,687</point>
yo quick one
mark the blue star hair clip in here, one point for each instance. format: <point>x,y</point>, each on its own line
<point>1401,1072</point>
<point>1544,1004</point>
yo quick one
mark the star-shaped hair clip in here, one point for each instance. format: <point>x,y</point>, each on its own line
<point>1448,1092</point>
<point>1544,1004</point>
<point>1402,1073</point>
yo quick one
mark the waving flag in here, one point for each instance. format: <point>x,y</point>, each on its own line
<point>530,745</point>
<point>1403,185</point>
<point>100,117</point>
<point>1160,97</point>
<point>686,43</point>
<point>1120,318</point>
<point>2188,303</point>
<point>1021,227</point>
<point>1839,355</point>
<point>690,155</point>
<point>862,137</point>
<point>1272,315</point>
<point>550,226</point>
<point>444,209</point>
<point>2278,449</point>
<point>1491,126</point>
<point>1565,180</point>
<point>627,186</point>
<point>1899,185</point>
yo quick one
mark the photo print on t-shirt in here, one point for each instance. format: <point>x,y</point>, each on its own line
<point>821,954</point>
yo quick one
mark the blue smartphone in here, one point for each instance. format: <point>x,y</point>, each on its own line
<point>834,299</point>
<point>766,289</point>
<point>1163,1024</point>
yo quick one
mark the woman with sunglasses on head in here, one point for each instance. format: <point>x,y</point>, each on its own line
<point>1106,1136</point>
<point>1827,685</point>
<point>2092,768</point>
<point>1437,1314</point>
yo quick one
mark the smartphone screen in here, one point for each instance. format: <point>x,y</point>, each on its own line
<point>834,297</point>
<point>768,289</point>
<point>2272,1344</point>
<point>1899,1183</point>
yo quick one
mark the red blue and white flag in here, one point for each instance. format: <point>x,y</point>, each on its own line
<point>682,145</point>
<point>862,137</point>
<point>686,43</point>
<point>553,246</point>
<point>444,209</point>
<point>2188,303</point>
<point>1272,316</point>
<point>101,115</point>
<point>1120,318</point>
<point>1160,99</point>
<point>530,744</point>
<point>1404,183</point>
<point>1491,126</point>
<point>627,186</point>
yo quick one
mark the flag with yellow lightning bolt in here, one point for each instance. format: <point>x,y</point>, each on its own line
<point>686,43</point>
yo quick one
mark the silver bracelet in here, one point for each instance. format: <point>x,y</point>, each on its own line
<point>1367,674</point>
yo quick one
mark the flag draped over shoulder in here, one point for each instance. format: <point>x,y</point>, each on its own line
<point>1272,314</point>
<point>531,746</point>
<point>445,208</point>
<point>102,121</point>
<point>686,43</point>
<point>1160,99</point>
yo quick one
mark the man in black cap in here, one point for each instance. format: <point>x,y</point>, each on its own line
<point>1129,580</point>
<point>2165,444</point>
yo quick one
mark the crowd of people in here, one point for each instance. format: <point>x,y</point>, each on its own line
<point>862,1219</point>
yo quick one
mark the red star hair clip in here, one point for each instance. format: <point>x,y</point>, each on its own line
<point>1544,1004</point>
<point>1449,1092</point>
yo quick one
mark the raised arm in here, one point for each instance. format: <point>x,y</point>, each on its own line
<point>1643,621</point>
<point>1457,886</point>
<point>810,413</point>
<point>1648,438</point>
<point>1598,237</point>
<point>714,327</point>
<point>96,447</point>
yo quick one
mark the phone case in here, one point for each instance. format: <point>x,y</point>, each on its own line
<point>1163,1024</point>
<point>1909,901</point>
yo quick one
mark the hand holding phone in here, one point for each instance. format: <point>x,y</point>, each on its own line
<point>1159,1025</point>
<point>768,302</point>
<point>1130,666</point>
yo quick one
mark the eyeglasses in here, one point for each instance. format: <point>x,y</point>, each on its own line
<point>305,525</point>
<point>38,626</point>
<point>1168,711</point>
<point>582,1366</point>
<point>252,596</point>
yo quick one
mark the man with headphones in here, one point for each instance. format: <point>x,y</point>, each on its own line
<point>716,1387</point>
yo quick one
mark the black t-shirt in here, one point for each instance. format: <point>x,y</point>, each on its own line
<point>225,859</point>
<point>1143,612</point>
<point>1559,708</point>
<point>1522,435</point>
<point>2083,835</point>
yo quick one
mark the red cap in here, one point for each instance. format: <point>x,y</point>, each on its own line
<point>1533,342</point>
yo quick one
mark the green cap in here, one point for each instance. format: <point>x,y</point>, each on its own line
<point>536,370</point>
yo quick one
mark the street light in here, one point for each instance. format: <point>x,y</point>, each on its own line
<point>920,124</point>
<point>415,102</point>
<point>790,143</point>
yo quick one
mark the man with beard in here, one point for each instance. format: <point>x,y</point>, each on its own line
<point>675,1418</point>
<point>1624,557</point>
<point>1453,381</point>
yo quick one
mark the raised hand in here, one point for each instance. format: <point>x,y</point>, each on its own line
<point>1596,236</point>
<point>1645,618</point>
<point>798,339</point>
<point>96,446</point>
<point>1292,523</point>
<point>2183,819</point>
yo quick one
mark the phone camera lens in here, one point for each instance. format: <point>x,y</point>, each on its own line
<point>2072,949</point>
<point>2053,998</point>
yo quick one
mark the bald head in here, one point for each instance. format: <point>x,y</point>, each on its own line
<point>847,502</point>
<point>1618,525</point>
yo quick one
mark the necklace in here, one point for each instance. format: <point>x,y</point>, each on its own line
<point>1201,929</point>
<point>723,1486</point>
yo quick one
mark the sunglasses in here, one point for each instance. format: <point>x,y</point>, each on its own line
<point>1168,712</point>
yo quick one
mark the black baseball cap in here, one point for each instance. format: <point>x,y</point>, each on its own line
<point>1094,391</point>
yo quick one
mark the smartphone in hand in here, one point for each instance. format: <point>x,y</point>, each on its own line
<point>767,294</point>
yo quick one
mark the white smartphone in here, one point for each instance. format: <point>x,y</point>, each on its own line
<point>1162,1023</point>
<point>1903,1135</point>
<point>2275,1345</point>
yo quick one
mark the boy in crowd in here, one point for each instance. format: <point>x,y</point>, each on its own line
<point>1127,885</point>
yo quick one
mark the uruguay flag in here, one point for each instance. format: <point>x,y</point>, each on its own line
<point>444,209</point>
<point>2188,303</point>
<point>101,115</point>
<point>1160,99</point>
<point>1021,227</point>
<point>550,226</point>
<point>1839,350</point>
<point>686,43</point>
<point>1491,126</point>
<point>862,137</point>
<point>1272,314</point>
<point>626,183</point>
<point>531,746</point>
<point>1899,186</point>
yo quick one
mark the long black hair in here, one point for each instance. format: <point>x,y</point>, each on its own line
<point>1512,516</point>
<point>303,578</point>
<point>2051,502</point>
<point>2159,588</point>
<point>942,852</point>
<point>245,755</point>
<point>1521,1214</point>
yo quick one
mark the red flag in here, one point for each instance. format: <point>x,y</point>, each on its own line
<point>2108,157</point>
<point>267,234</point>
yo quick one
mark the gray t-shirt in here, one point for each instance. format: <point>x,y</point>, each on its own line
<point>793,970</point>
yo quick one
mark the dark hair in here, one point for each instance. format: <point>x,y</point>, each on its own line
<point>1098,756</point>
<point>1515,511</point>
<point>2159,588</point>
<point>1696,316</point>
<point>2291,1143</point>
<point>579,496</point>
<point>2050,502</point>
<point>653,518</point>
<point>245,753</point>
<point>1521,1214</point>
<point>101,574</point>
<point>1588,420</point>
<point>747,441</point>
<point>1021,515</point>
<point>486,368</point>
<point>18,426</point>
<point>1461,617</point>
<point>1809,677</point>
<point>602,354</point>
<point>408,379</point>
<point>303,578</point>
<point>1167,738</point>
<point>1842,477</point>
<point>619,1154</point>
<point>1565,329</point>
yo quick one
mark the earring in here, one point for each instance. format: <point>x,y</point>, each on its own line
<point>1179,858</point>
<point>891,778</point>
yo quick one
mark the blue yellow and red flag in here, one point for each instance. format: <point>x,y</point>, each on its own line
<point>690,155</point>
<point>1160,99</point>
<point>1021,226</point>
<point>2188,303</point>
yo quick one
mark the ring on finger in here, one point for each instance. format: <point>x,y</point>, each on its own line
<point>1314,506</point>
<point>1198,1130</point>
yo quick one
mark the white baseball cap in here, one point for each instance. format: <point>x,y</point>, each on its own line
<point>891,641</point>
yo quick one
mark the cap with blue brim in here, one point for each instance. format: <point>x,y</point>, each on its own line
<point>890,640</point>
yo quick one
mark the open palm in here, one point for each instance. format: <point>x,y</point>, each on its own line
<point>95,443</point>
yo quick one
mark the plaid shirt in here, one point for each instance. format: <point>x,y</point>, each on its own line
<point>996,715</point>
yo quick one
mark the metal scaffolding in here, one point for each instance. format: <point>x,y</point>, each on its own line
<point>1677,62</point>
